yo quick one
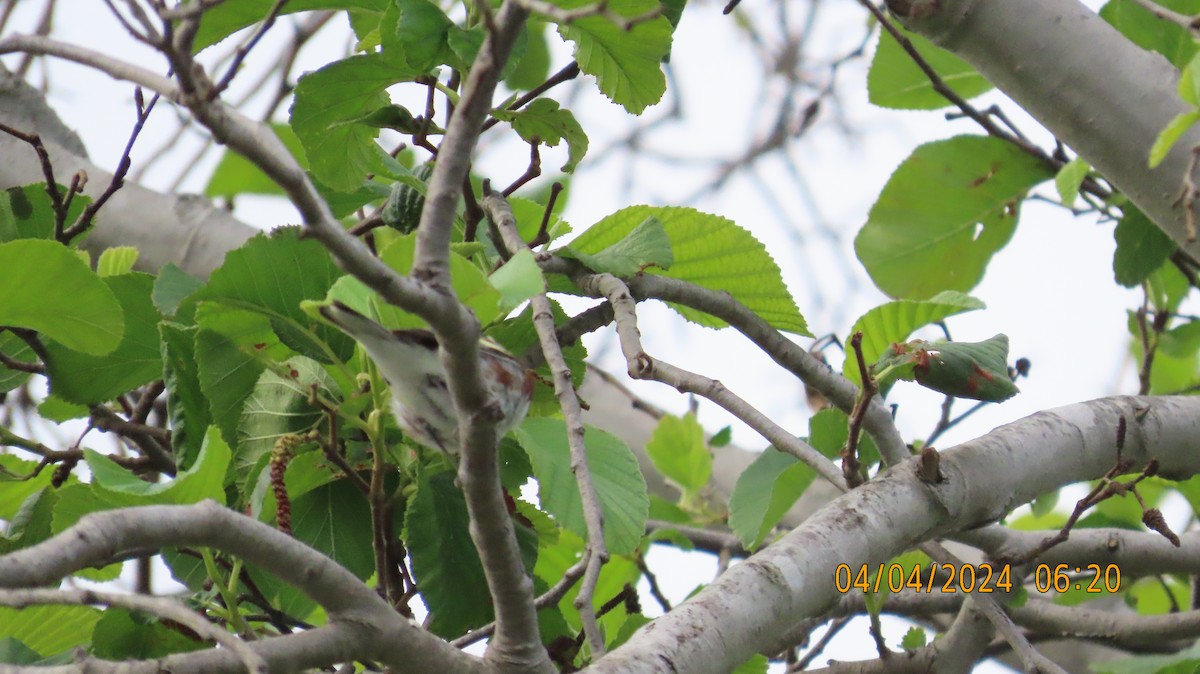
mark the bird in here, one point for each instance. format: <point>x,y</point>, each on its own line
<point>409,362</point>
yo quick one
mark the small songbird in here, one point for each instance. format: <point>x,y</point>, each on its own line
<point>409,361</point>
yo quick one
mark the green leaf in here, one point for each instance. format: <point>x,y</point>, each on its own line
<point>225,363</point>
<point>444,560</point>
<point>13,652</point>
<point>529,216</point>
<point>678,451</point>
<point>626,64</point>
<point>86,378</point>
<point>272,275</point>
<point>976,370</point>
<point>1152,33</point>
<point>721,437</point>
<point>17,483</point>
<point>46,287</point>
<point>913,639</point>
<point>763,494</point>
<point>1069,178</point>
<point>15,348</point>
<point>534,65</point>
<point>328,105</point>
<point>336,520</point>
<point>224,19</point>
<point>1141,248</point>
<point>896,320</point>
<point>187,409</point>
<point>543,121</point>
<point>235,175</point>
<point>647,245</point>
<point>122,635</point>
<point>58,410</point>
<point>171,287</point>
<point>26,212</point>
<point>895,81</point>
<point>828,431</point>
<point>712,252</point>
<point>204,480</point>
<point>470,284</point>
<point>1170,135</point>
<point>32,523</point>
<point>277,406</point>
<point>518,280</point>
<point>49,630</point>
<point>755,665</point>
<point>419,33</point>
<point>116,261</point>
<point>615,474</point>
<point>943,214</point>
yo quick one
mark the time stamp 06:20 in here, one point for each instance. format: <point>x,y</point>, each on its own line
<point>951,578</point>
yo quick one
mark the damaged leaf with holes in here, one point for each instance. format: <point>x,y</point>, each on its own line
<point>975,370</point>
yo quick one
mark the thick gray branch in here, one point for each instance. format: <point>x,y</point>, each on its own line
<point>1091,87</point>
<point>986,478</point>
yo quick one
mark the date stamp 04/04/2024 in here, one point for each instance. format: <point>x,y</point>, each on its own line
<point>985,578</point>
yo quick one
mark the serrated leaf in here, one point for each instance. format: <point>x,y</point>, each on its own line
<point>336,520</point>
<point>518,280</point>
<point>678,451</point>
<point>1141,248</point>
<point>764,492</point>
<point>647,245</point>
<point>896,320</point>
<point>226,360</point>
<point>277,406</point>
<point>1170,135</point>
<point>626,64</point>
<point>85,378</point>
<point>913,639</point>
<point>942,215</point>
<point>271,276</point>
<point>342,151</point>
<point>58,410</point>
<point>31,524</point>
<point>1069,178</point>
<point>615,474</point>
<point>46,287</point>
<point>203,480</point>
<point>187,408</point>
<point>895,81</point>
<point>223,19</point>
<point>543,121</point>
<point>116,261</point>
<point>712,252</point>
<point>444,560</point>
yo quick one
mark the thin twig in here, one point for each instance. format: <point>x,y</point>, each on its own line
<point>501,216</point>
